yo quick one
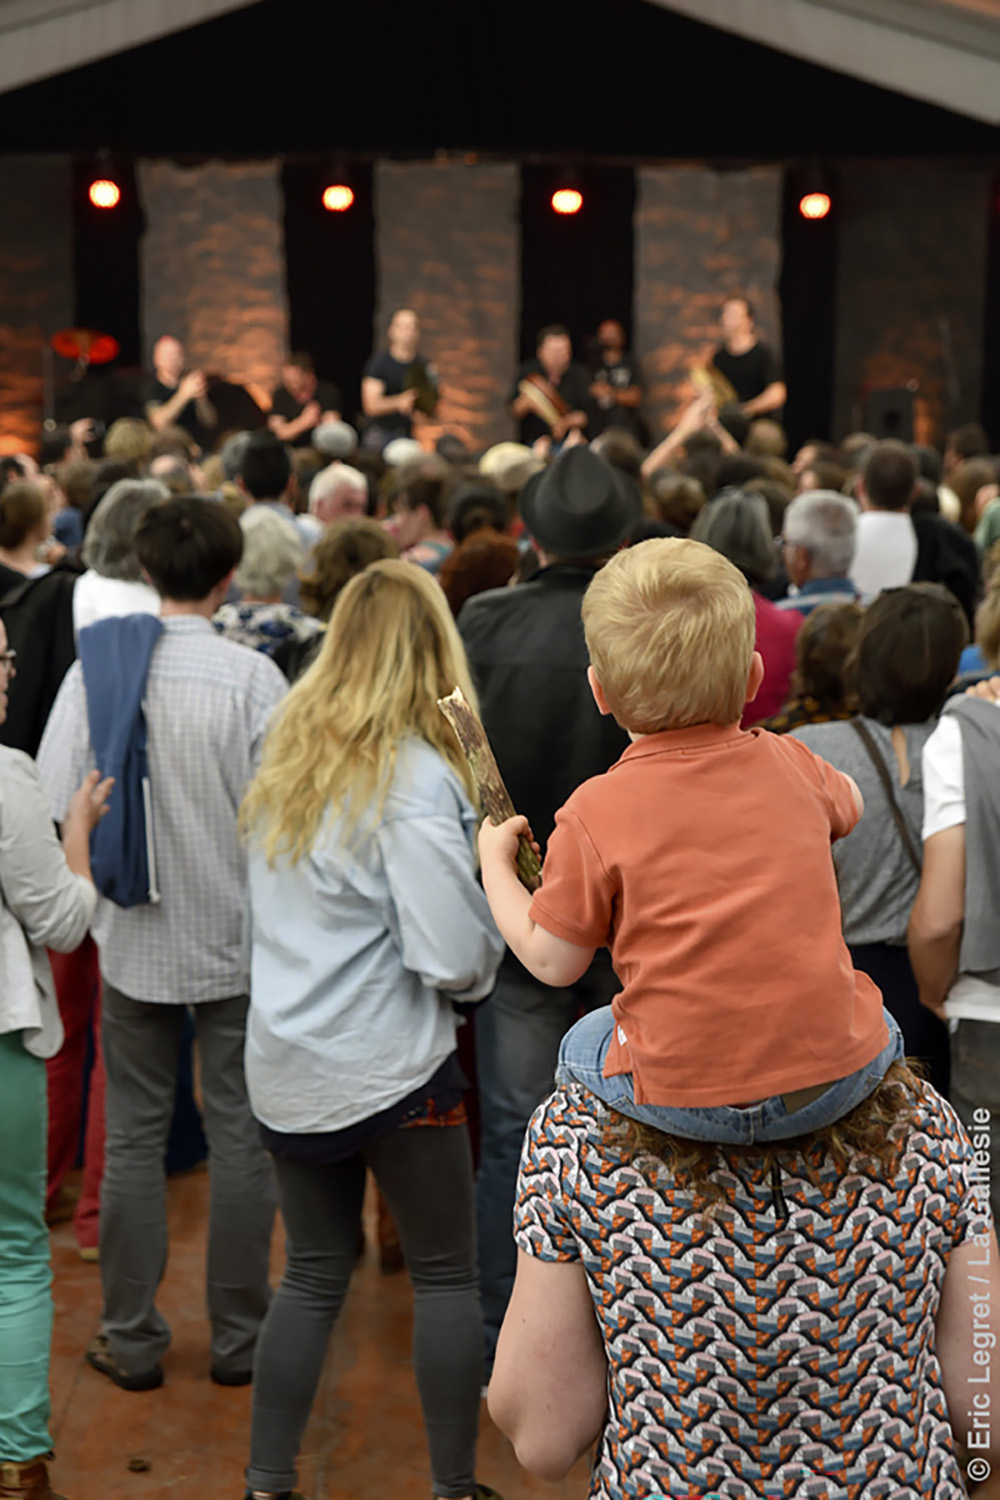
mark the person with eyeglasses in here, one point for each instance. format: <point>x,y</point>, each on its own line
<point>47,900</point>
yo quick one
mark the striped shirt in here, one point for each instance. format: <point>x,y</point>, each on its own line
<point>208,703</point>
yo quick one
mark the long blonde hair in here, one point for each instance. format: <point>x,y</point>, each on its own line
<point>391,650</point>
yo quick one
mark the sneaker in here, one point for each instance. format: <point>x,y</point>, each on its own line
<point>285,1495</point>
<point>220,1375</point>
<point>100,1358</point>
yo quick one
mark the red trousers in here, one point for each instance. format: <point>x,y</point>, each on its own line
<point>78,991</point>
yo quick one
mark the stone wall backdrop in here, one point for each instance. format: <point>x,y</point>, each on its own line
<point>911,290</point>
<point>699,234</point>
<point>36,286</point>
<point>447,245</point>
<point>213,267</point>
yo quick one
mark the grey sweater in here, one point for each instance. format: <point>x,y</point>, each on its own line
<point>980,725</point>
<point>877,881</point>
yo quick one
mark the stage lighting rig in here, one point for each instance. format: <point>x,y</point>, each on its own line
<point>567,200</point>
<point>104,192</point>
<point>338,197</point>
<point>815,205</point>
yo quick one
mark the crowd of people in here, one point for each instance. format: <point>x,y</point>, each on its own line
<point>666,1144</point>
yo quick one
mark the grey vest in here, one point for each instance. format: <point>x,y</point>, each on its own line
<point>980,727</point>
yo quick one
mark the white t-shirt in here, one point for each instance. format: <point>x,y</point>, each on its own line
<point>96,598</point>
<point>969,999</point>
<point>885,552</point>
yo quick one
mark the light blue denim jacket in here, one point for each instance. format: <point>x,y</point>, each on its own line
<point>358,952</point>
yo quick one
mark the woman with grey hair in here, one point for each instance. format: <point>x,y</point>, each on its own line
<point>737,523</point>
<point>113,583</point>
<point>262,619</point>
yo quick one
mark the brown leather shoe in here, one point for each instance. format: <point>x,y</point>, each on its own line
<point>26,1481</point>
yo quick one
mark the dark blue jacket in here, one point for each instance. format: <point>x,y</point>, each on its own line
<point>115,656</point>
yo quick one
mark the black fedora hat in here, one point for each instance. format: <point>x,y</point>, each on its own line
<point>580,506</point>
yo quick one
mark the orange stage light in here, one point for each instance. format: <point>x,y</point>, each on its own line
<point>104,193</point>
<point>567,201</point>
<point>815,205</point>
<point>338,198</point>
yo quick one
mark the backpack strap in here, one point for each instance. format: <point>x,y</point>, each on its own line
<point>875,755</point>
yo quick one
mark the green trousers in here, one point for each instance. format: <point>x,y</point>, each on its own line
<point>25,1271</point>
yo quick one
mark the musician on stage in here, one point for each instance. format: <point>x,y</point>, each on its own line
<point>178,398</point>
<point>616,385</point>
<point>397,381</point>
<point>750,366</point>
<point>301,402</point>
<point>551,396</point>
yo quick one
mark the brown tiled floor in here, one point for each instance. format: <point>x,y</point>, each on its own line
<point>364,1442</point>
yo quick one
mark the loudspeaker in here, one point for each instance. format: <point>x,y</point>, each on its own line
<point>889,413</point>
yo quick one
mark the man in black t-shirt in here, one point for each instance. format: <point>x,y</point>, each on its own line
<point>554,369</point>
<point>616,385</point>
<point>301,402</point>
<point>397,381</point>
<point>750,366</point>
<point>178,399</point>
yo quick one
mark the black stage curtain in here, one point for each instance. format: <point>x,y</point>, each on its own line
<point>576,269</point>
<point>990,411</point>
<point>807,288</point>
<point>106,257</point>
<point>330,273</point>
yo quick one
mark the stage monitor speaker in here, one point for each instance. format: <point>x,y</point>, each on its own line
<point>889,413</point>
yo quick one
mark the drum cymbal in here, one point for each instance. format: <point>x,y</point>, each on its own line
<point>86,345</point>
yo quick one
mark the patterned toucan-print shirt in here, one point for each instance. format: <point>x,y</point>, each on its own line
<point>784,1350</point>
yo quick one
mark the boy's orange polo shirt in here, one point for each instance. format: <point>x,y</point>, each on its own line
<point>702,859</point>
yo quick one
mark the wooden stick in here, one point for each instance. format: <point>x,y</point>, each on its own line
<point>486,774</point>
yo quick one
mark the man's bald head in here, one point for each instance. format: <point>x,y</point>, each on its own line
<point>168,356</point>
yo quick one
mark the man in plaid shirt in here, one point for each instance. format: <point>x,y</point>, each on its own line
<point>207,707</point>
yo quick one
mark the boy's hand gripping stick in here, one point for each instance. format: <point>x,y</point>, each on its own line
<point>486,774</point>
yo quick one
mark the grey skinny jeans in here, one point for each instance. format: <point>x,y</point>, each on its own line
<point>425,1173</point>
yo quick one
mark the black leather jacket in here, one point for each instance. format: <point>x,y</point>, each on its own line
<point>529,662</point>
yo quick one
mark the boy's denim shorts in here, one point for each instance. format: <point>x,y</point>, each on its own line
<point>585,1046</point>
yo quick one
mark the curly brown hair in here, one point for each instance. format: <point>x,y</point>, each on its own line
<point>822,650</point>
<point>871,1137</point>
<point>346,547</point>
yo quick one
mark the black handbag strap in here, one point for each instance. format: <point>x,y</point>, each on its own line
<point>875,755</point>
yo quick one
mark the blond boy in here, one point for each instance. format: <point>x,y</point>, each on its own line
<point>702,859</point>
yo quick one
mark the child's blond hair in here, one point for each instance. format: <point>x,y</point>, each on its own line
<point>670,628</point>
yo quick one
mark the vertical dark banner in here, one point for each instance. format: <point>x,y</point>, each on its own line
<point>330,273</point>
<point>990,409</point>
<point>700,234</point>
<point>447,242</point>
<point>106,257</point>
<point>577,268</point>
<point>213,269</point>
<point>911,278</point>
<point>808,290</point>
<point>36,289</point>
